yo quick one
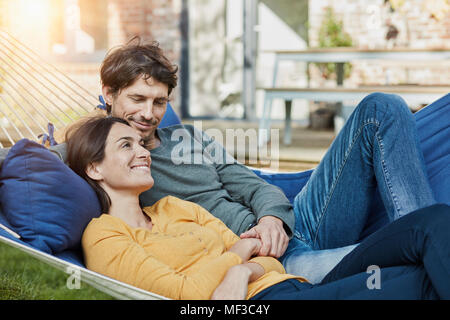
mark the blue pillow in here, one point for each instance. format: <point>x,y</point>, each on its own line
<point>45,202</point>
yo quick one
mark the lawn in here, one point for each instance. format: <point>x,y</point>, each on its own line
<point>23,277</point>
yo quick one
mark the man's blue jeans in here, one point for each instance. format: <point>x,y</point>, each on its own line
<point>372,174</point>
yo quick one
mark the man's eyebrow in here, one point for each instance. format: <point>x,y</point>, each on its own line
<point>137,95</point>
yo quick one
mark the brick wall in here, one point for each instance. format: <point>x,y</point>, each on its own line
<point>151,20</point>
<point>367,23</point>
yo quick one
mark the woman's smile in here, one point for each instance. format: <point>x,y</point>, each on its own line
<point>142,166</point>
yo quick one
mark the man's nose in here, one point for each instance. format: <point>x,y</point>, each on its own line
<point>147,113</point>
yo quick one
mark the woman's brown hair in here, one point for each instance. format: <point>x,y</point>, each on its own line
<point>86,145</point>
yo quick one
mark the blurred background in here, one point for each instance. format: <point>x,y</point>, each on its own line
<point>230,56</point>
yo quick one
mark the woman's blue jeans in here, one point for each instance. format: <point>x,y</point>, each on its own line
<point>410,259</point>
<point>372,174</point>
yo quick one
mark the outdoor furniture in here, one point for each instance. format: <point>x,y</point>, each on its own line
<point>413,95</point>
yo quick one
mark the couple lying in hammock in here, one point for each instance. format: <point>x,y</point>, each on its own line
<point>214,230</point>
<point>177,249</point>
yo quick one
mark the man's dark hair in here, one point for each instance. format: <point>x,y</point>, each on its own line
<point>124,64</point>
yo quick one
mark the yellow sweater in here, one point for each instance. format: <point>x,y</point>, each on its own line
<point>184,256</point>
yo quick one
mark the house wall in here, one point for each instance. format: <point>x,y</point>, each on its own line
<point>421,25</point>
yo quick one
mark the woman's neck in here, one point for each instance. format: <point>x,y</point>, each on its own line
<point>127,208</point>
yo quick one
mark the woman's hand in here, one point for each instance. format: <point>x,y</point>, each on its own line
<point>246,248</point>
<point>235,284</point>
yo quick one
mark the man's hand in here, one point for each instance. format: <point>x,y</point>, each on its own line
<point>272,235</point>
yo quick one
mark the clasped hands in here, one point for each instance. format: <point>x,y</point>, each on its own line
<point>267,238</point>
<point>272,235</point>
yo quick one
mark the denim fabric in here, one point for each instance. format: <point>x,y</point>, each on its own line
<point>398,283</point>
<point>372,174</point>
<point>420,238</point>
<point>412,255</point>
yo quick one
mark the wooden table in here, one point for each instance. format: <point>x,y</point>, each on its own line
<point>340,56</point>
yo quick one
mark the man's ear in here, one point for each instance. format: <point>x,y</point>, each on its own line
<point>107,95</point>
<point>93,172</point>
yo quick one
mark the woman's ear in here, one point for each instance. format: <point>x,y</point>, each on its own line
<point>93,172</point>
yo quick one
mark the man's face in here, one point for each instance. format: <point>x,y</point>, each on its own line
<point>142,105</point>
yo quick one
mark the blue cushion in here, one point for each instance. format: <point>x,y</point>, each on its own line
<point>433,125</point>
<point>43,200</point>
<point>170,118</point>
<point>290,183</point>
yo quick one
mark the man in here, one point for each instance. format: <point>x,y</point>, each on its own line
<point>136,83</point>
<point>372,174</point>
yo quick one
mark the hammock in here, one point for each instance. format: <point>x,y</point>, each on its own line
<point>28,105</point>
<point>34,93</point>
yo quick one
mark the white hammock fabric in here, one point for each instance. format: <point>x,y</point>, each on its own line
<point>34,93</point>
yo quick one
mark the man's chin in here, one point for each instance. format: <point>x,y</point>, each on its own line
<point>146,134</point>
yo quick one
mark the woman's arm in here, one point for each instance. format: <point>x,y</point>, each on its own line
<point>235,284</point>
<point>117,255</point>
<point>245,248</point>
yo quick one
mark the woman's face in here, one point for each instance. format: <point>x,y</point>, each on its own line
<point>126,165</point>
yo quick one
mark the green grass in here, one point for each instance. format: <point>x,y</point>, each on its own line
<point>23,277</point>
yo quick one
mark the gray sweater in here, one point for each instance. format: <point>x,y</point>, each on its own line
<point>190,165</point>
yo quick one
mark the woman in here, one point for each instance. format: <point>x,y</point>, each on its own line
<point>177,249</point>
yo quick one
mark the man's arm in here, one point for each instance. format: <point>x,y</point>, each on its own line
<point>273,211</point>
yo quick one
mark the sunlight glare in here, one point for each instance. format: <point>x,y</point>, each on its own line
<point>33,10</point>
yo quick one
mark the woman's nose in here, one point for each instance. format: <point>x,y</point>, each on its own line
<point>143,153</point>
